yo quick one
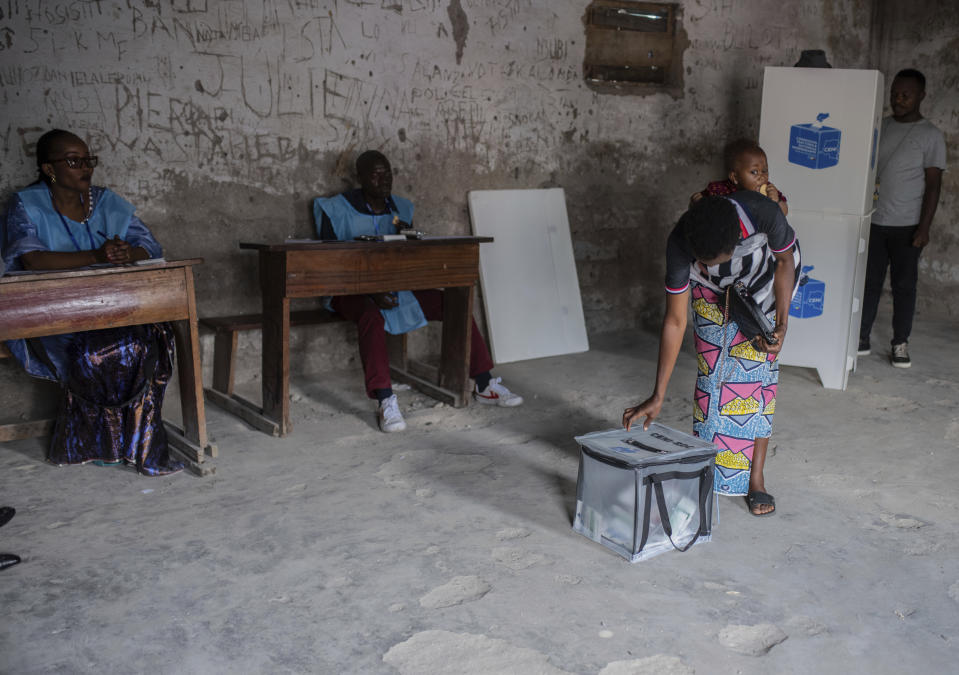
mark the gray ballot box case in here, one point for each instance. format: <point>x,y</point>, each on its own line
<point>642,493</point>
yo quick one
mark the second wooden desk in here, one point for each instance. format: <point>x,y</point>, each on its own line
<point>309,269</point>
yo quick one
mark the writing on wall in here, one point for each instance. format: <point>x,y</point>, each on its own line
<point>245,90</point>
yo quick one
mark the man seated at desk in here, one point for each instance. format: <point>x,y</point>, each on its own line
<point>113,380</point>
<point>372,209</point>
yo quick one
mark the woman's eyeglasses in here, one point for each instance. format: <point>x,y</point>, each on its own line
<point>76,162</point>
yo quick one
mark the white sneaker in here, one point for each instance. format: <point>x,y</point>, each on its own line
<point>389,415</point>
<point>496,394</point>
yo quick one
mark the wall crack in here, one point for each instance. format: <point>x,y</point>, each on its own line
<point>461,27</point>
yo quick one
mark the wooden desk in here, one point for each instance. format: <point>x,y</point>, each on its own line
<point>68,301</point>
<point>308,269</point>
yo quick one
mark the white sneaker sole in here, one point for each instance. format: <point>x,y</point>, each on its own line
<point>864,352</point>
<point>392,427</point>
<point>901,365</point>
<point>502,403</point>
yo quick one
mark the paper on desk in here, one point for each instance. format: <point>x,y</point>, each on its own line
<point>150,261</point>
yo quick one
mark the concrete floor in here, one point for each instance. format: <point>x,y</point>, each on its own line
<point>448,548</point>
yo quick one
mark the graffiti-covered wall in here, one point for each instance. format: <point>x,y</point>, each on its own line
<point>222,119</point>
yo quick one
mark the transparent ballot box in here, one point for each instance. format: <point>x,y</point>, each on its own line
<point>642,493</point>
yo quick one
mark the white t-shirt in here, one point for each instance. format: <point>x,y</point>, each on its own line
<point>906,150</point>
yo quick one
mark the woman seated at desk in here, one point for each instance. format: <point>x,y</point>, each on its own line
<point>113,380</point>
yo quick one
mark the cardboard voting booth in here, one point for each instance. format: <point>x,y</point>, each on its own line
<point>642,493</point>
<point>820,131</point>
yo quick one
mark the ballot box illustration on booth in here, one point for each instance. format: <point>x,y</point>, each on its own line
<point>810,296</point>
<point>814,145</point>
<point>642,493</point>
<point>820,130</point>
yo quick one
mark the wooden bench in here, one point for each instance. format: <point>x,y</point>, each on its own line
<point>20,430</point>
<point>226,331</point>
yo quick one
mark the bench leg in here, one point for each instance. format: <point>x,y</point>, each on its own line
<point>396,348</point>
<point>224,361</point>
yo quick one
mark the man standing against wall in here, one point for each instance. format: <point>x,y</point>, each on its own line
<point>912,157</point>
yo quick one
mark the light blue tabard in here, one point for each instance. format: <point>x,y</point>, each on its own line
<point>111,216</point>
<point>349,223</point>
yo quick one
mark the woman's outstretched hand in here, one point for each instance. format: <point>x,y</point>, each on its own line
<point>650,408</point>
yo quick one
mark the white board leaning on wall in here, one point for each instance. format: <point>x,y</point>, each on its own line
<point>528,275</point>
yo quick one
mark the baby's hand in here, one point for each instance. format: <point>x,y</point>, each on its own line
<point>772,192</point>
<point>695,197</point>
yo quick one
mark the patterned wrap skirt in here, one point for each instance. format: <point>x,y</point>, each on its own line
<point>113,384</point>
<point>735,395</point>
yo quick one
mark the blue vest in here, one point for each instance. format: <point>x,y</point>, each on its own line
<point>111,216</point>
<point>348,223</point>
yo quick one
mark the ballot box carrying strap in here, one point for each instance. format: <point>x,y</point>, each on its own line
<point>656,481</point>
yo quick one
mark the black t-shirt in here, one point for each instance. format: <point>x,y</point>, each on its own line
<point>766,217</point>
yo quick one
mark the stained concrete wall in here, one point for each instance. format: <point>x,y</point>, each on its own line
<point>222,120</point>
<point>923,35</point>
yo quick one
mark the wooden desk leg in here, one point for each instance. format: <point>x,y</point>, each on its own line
<point>455,355</point>
<point>276,358</point>
<point>224,360</point>
<point>192,439</point>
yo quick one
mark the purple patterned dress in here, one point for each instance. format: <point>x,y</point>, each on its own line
<point>112,380</point>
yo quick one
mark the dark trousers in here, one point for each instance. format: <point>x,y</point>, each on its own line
<point>372,337</point>
<point>891,247</point>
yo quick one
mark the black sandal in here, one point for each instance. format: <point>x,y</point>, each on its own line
<point>757,498</point>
